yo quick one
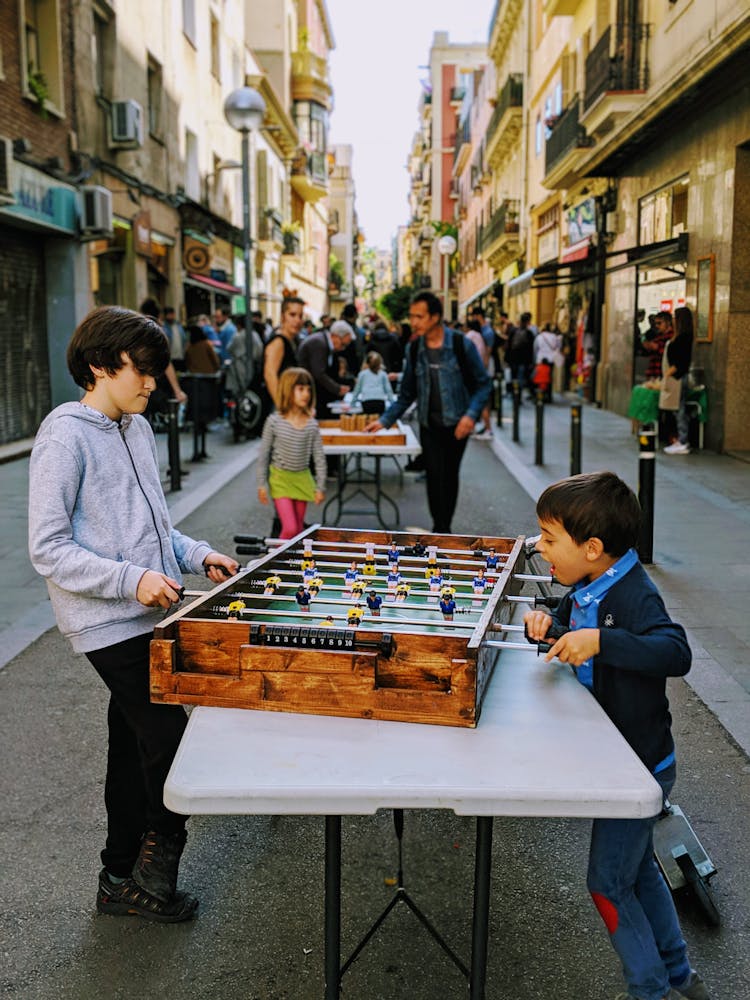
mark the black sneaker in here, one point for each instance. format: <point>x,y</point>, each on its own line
<point>155,870</point>
<point>127,899</point>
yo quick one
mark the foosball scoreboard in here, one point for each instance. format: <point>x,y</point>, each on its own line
<point>365,624</point>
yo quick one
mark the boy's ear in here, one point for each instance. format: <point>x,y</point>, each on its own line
<point>594,549</point>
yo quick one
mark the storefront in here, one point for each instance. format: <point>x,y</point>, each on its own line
<point>43,294</point>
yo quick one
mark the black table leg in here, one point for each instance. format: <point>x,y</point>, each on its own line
<point>332,907</point>
<point>481,922</point>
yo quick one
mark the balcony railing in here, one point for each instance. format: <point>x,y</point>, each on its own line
<point>504,221</point>
<point>567,134</point>
<point>627,68</point>
<point>463,136</point>
<point>511,96</point>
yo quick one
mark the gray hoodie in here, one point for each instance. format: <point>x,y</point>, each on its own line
<point>98,521</point>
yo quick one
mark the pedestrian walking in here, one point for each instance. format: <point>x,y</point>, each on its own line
<point>622,644</point>
<point>676,360</point>
<point>446,377</point>
<point>290,439</point>
<point>100,533</point>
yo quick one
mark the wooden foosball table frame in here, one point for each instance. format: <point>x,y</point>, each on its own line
<point>407,664</point>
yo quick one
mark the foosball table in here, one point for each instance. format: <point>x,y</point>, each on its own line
<point>381,625</point>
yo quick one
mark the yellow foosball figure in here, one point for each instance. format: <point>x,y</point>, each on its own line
<point>236,608</point>
<point>308,562</point>
<point>447,593</point>
<point>402,591</point>
<point>272,585</point>
<point>354,616</point>
<point>369,568</point>
<point>358,589</point>
<point>327,622</point>
<point>314,586</point>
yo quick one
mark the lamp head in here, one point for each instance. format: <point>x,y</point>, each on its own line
<point>447,244</point>
<point>244,109</point>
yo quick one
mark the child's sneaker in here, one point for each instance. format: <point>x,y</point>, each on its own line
<point>155,870</point>
<point>693,989</point>
<point>127,899</point>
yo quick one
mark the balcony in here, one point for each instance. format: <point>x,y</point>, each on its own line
<point>461,146</point>
<point>310,79</point>
<point>499,241</point>
<point>504,126</point>
<point>562,151</point>
<point>310,175</point>
<point>617,76</point>
<point>270,234</point>
<point>553,8</point>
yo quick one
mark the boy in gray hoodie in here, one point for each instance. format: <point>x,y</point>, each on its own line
<point>100,533</point>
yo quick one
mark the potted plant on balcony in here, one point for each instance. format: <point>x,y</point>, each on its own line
<point>290,234</point>
<point>335,274</point>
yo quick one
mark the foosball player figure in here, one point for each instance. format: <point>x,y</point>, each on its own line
<point>307,552</point>
<point>314,586</point>
<point>393,578</point>
<point>272,585</point>
<point>369,568</point>
<point>302,597</point>
<point>350,576</point>
<point>235,609</point>
<point>393,554</point>
<point>402,591</point>
<point>373,603</point>
<point>447,606</point>
<point>479,582</point>
<point>447,591</point>
<point>492,560</point>
<point>358,589</point>
<point>436,582</point>
<point>418,549</point>
<point>310,571</point>
<point>354,616</point>
<point>327,622</point>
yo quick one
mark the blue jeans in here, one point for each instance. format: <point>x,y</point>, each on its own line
<point>635,903</point>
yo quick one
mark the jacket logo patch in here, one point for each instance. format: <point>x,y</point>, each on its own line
<point>609,621</point>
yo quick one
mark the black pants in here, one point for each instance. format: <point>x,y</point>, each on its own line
<point>442,458</point>
<point>143,740</point>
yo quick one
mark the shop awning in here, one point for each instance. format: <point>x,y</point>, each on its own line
<point>521,284</point>
<point>218,286</point>
<point>477,295</point>
<point>576,251</point>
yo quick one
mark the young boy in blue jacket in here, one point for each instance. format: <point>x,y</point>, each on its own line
<point>623,645</point>
<point>100,533</point>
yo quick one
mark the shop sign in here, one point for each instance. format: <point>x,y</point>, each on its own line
<point>581,221</point>
<point>142,234</point>
<point>41,199</point>
<point>549,245</point>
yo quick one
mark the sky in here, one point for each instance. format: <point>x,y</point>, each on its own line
<point>382,48</point>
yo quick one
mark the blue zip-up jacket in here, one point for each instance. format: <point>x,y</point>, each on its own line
<point>640,646</point>
<point>98,520</point>
<point>456,397</point>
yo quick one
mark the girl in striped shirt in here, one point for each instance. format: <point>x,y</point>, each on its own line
<point>291,437</point>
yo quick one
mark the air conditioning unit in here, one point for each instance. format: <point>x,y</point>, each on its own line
<point>96,212</point>
<point>126,124</point>
<point>6,171</point>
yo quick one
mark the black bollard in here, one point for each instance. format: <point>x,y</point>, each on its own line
<point>575,439</point>
<point>516,388</point>
<point>539,430</point>
<point>646,492</point>
<point>173,445</point>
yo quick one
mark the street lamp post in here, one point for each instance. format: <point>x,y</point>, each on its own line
<point>244,110</point>
<point>447,247</point>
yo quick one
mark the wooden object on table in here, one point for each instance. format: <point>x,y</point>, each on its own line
<point>411,672</point>
<point>350,429</point>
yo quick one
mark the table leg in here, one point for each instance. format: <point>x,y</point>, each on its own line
<point>381,495</point>
<point>339,498</point>
<point>481,921</point>
<point>332,907</point>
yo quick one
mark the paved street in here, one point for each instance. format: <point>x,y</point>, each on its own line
<point>259,933</point>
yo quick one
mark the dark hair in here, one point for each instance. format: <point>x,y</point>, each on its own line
<point>433,303</point>
<point>477,311</point>
<point>196,333</point>
<point>349,311</point>
<point>150,307</point>
<point>594,505</point>
<point>665,315</point>
<point>683,322</point>
<point>291,300</point>
<point>474,325</point>
<point>106,334</point>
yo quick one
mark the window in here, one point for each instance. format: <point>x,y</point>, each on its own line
<point>311,120</point>
<point>99,54</point>
<point>215,65</point>
<point>188,20</point>
<point>538,136</point>
<point>155,91</point>
<point>192,173</point>
<point>663,213</point>
<point>41,66</point>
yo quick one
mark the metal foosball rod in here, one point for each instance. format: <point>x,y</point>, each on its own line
<point>371,579</point>
<point>367,621</point>
<point>357,547</point>
<point>403,569</point>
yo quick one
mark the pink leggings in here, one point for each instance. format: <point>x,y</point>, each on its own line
<point>291,514</point>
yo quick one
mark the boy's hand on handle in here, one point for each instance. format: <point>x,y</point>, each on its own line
<point>575,647</point>
<point>158,590</point>
<point>371,428</point>
<point>219,567</point>
<point>319,496</point>
<point>537,624</point>
<point>262,494</point>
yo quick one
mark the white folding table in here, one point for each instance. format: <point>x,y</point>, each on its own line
<point>543,747</point>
